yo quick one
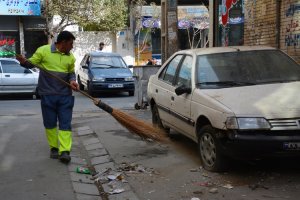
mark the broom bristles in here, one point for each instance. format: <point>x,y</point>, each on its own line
<point>139,127</point>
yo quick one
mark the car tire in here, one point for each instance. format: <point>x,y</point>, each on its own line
<point>81,86</point>
<point>131,93</point>
<point>156,121</point>
<point>90,89</point>
<point>209,149</point>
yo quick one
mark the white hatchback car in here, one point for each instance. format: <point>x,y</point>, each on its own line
<point>232,101</point>
<point>15,79</point>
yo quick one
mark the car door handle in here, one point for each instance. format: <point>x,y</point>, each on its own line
<point>172,98</point>
<point>7,75</point>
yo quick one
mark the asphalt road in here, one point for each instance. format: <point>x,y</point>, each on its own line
<point>165,171</point>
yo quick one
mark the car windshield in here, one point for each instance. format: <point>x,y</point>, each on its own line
<point>233,69</point>
<point>107,62</point>
<point>11,67</point>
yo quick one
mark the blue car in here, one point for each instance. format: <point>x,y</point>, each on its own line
<point>105,72</point>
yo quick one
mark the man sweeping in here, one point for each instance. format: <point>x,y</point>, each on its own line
<point>56,98</point>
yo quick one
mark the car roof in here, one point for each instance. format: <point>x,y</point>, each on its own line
<point>98,53</point>
<point>212,50</point>
<point>10,59</point>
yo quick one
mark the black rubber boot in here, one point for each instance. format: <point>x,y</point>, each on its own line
<point>65,157</point>
<point>54,153</point>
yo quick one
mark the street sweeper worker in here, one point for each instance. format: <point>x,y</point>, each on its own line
<point>56,98</point>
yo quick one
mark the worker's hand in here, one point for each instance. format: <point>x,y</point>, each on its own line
<point>74,85</point>
<point>21,59</point>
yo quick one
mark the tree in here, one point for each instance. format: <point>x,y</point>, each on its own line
<point>93,15</point>
<point>69,14</point>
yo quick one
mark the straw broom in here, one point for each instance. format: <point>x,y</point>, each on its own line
<point>143,129</point>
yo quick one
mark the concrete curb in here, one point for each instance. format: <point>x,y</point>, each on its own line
<point>96,158</point>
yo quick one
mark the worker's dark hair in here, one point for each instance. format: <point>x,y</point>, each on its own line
<point>65,36</point>
<point>101,43</point>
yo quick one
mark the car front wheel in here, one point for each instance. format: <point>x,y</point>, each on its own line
<point>156,121</point>
<point>209,148</point>
<point>81,86</point>
<point>90,89</point>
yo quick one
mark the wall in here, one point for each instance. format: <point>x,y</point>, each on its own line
<point>290,28</point>
<point>89,41</point>
<point>260,22</point>
<point>260,25</point>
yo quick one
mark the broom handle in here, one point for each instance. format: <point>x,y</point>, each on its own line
<point>61,80</point>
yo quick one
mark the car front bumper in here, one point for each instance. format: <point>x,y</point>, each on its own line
<point>112,86</point>
<point>261,143</point>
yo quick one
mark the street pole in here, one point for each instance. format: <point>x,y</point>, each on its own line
<point>169,28</point>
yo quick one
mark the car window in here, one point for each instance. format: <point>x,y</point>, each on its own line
<point>107,62</point>
<point>184,75</point>
<point>83,61</point>
<point>11,67</point>
<point>169,71</point>
<point>233,69</point>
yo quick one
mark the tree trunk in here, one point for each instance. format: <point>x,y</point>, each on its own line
<point>114,41</point>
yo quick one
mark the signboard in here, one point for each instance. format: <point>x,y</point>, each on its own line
<point>20,7</point>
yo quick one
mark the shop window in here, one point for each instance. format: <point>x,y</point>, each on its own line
<point>9,43</point>
<point>230,26</point>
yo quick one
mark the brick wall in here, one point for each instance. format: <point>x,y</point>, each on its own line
<point>290,28</point>
<point>260,25</point>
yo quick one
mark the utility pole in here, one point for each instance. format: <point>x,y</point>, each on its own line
<point>169,28</point>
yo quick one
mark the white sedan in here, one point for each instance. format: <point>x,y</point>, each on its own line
<point>232,101</point>
<point>15,79</point>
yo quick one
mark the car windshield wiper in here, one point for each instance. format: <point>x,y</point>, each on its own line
<point>109,66</point>
<point>276,81</point>
<point>227,83</point>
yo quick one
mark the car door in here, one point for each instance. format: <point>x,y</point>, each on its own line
<point>181,104</point>
<point>84,72</point>
<point>164,89</point>
<point>0,78</point>
<point>16,78</point>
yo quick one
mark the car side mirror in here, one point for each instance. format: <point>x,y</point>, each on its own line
<point>130,66</point>
<point>27,71</point>
<point>85,67</point>
<point>182,90</point>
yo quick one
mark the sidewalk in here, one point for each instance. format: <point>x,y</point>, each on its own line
<point>106,182</point>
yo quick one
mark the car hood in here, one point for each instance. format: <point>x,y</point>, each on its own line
<point>271,101</point>
<point>112,72</point>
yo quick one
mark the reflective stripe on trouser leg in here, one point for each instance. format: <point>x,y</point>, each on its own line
<point>65,140</point>
<point>52,137</point>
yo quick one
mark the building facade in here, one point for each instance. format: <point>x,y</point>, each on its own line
<point>272,23</point>
<point>22,29</point>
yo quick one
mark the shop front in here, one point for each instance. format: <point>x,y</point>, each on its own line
<point>229,23</point>
<point>21,27</point>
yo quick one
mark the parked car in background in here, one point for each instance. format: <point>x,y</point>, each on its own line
<point>105,72</point>
<point>232,101</point>
<point>15,79</point>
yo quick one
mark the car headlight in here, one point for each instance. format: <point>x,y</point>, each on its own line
<point>247,123</point>
<point>129,79</point>
<point>101,79</point>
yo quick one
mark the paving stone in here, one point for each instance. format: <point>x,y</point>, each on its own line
<point>91,140</point>
<point>94,146</point>
<point>103,167</point>
<point>81,178</point>
<point>78,161</point>
<point>87,197</point>
<point>82,128</point>
<point>72,167</point>
<point>84,188</point>
<point>126,195</point>
<point>100,160</point>
<point>97,152</point>
<point>107,187</point>
<point>85,132</point>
